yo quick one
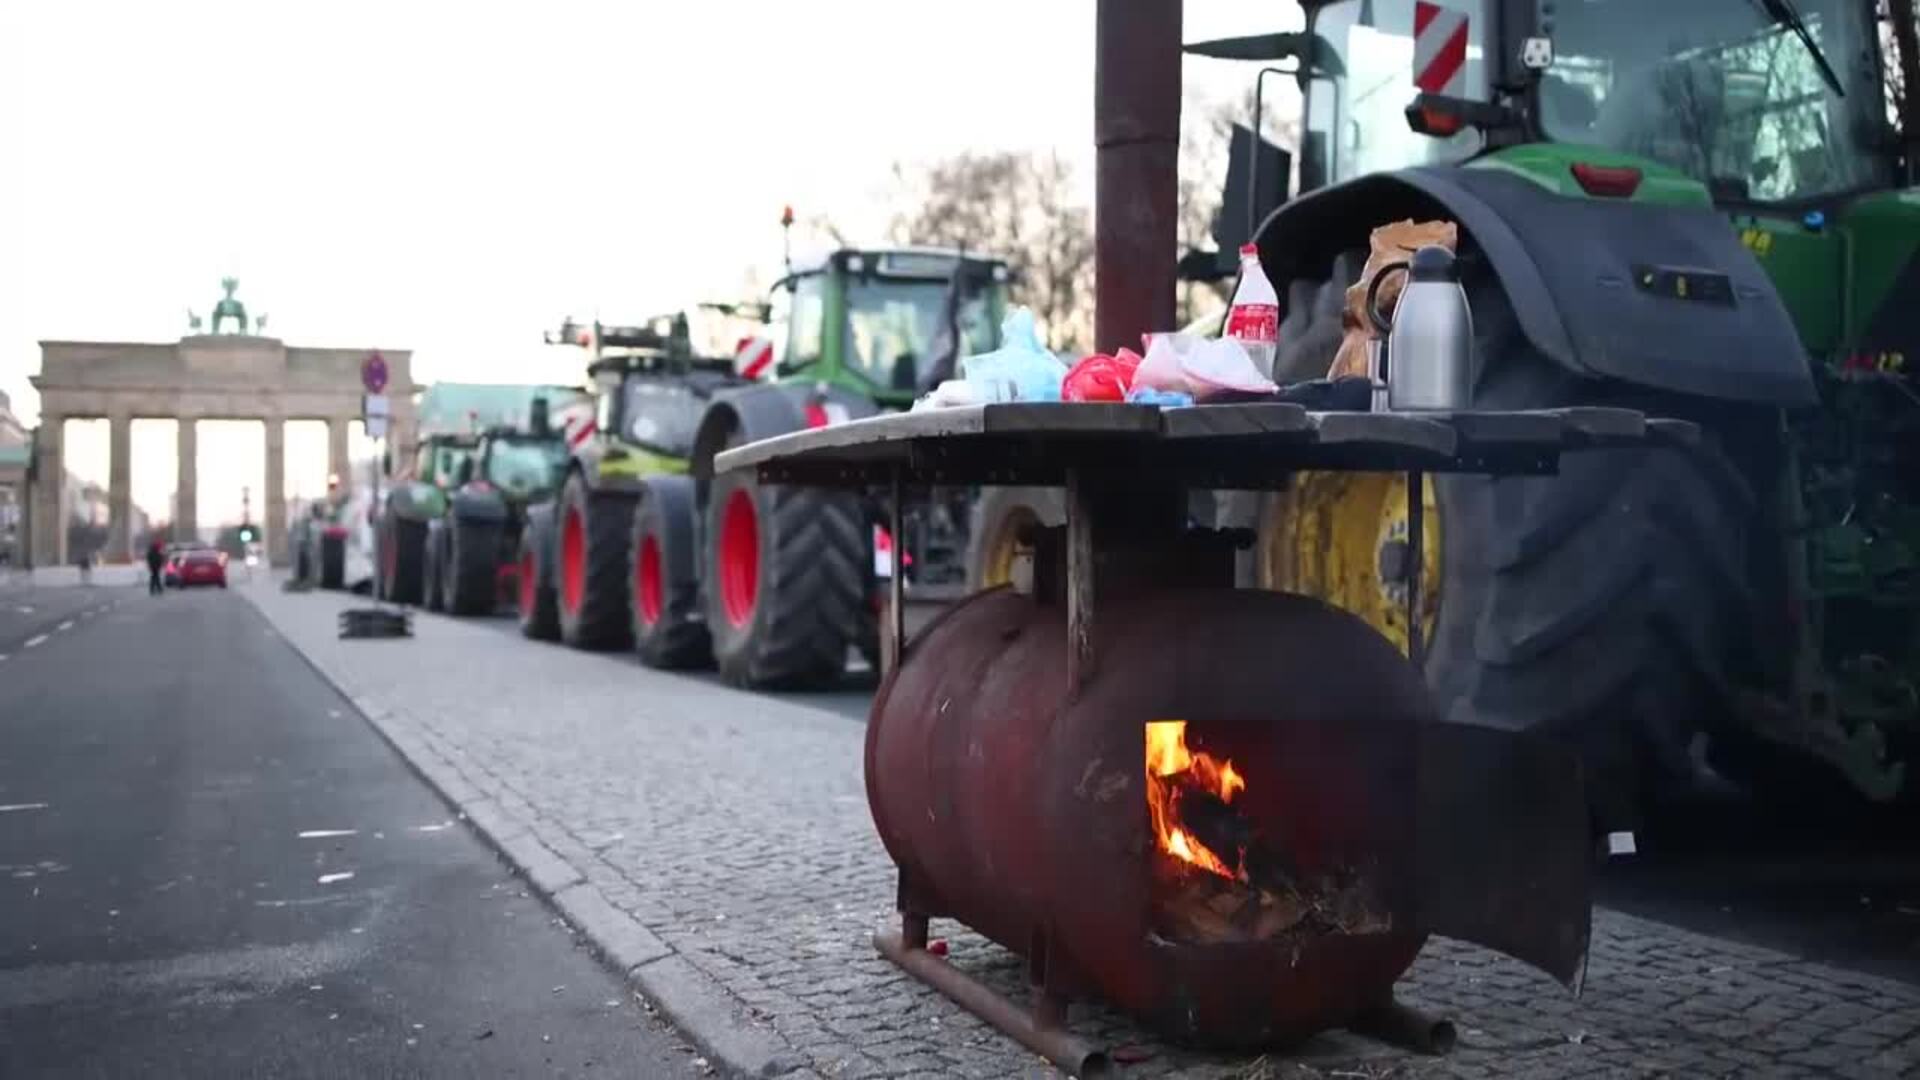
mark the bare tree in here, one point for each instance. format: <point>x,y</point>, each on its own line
<point>1021,207</point>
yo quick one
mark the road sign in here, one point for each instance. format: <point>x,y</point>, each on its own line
<point>373,373</point>
<point>376,410</point>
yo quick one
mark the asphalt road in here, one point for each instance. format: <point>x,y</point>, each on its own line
<point>210,865</point>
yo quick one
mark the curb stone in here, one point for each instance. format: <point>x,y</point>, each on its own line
<point>703,1010</point>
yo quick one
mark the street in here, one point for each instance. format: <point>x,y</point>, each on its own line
<point>210,864</point>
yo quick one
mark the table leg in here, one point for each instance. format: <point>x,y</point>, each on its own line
<point>1417,550</point>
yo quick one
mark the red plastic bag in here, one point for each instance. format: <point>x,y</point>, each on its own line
<point>1101,377</point>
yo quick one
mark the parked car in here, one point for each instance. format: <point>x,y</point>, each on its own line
<point>195,565</point>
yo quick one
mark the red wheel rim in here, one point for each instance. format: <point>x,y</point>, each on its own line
<point>573,561</point>
<point>526,584</point>
<point>649,593</point>
<point>739,558</point>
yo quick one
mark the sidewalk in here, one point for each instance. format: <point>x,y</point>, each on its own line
<point>716,845</point>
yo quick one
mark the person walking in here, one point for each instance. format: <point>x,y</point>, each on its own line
<point>156,558</point>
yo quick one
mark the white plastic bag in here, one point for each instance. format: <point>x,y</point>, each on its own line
<point>1021,369</point>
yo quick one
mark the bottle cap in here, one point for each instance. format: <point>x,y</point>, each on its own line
<point>1249,249</point>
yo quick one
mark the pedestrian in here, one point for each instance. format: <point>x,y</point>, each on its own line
<point>156,558</point>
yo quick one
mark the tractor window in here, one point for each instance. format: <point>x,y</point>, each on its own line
<point>525,467</point>
<point>894,326</point>
<point>1718,90</point>
<point>662,416</point>
<point>1362,114</point>
<point>806,319</point>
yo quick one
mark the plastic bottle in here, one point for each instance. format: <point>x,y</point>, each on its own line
<point>1254,318</point>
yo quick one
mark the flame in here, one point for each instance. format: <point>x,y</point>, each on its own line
<point>1171,767</point>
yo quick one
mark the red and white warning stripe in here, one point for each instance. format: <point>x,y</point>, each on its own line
<point>577,423</point>
<point>1439,49</point>
<point>753,357</point>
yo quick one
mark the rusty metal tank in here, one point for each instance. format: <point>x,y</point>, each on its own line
<point>1019,807</point>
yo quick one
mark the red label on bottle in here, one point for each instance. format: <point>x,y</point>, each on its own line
<point>1254,322</point>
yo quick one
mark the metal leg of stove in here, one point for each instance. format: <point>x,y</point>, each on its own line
<point>1080,658</point>
<point>894,645</point>
<point>1405,1026</point>
<point>1039,1029</point>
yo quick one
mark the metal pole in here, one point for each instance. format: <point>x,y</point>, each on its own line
<point>1136,133</point>
<point>1417,548</point>
<point>1080,583</point>
<point>896,643</point>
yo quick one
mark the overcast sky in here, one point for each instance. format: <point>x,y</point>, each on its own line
<point>455,178</point>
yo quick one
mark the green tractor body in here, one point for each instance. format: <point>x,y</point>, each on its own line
<point>1699,209</point>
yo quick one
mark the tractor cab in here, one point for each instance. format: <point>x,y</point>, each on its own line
<point>887,324</point>
<point>652,383</point>
<point>441,458</point>
<point>519,464</point>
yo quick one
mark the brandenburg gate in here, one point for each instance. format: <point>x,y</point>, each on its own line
<point>240,374</point>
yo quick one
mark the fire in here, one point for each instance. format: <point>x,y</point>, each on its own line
<point>1171,769</point>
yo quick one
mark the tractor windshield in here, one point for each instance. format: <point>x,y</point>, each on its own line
<point>1386,55</point>
<point>895,325</point>
<point>1719,90</point>
<point>524,467</point>
<point>660,415</point>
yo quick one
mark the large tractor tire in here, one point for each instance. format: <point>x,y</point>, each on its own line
<point>787,572</point>
<point>592,569</point>
<point>403,545</point>
<point>469,578</point>
<point>433,561</point>
<point>1611,606</point>
<point>668,631</point>
<point>333,562</point>
<point>1003,518</point>
<point>536,601</point>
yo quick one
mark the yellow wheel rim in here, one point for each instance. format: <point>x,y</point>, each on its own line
<point>1003,546</point>
<point>1342,537</point>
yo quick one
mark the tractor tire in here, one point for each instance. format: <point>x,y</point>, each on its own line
<point>432,588</point>
<point>403,548</point>
<point>1000,516</point>
<point>333,562</point>
<point>1612,606</point>
<point>787,572</point>
<point>592,573</point>
<point>470,573</point>
<point>667,629</point>
<point>536,602</point>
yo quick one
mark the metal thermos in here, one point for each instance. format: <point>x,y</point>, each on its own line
<point>1428,347</point>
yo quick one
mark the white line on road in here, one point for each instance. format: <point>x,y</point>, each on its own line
<point>35,640</point>
<point>68,625</point>
<point>433,828</point>
<point>315,834</point>
<point>11,807</point>
<point>328,879</point>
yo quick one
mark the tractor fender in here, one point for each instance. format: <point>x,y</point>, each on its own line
<point>479,506</point>
<point>1574,272</point>
<point>761,412</point>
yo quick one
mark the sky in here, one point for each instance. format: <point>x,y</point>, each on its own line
<point>453,179</point>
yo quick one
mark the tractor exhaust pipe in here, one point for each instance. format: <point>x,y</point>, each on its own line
<point>1136,132</point>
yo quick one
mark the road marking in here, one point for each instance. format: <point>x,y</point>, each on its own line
<point>328,879</point>
<point>315,834</point>
<point>11,807</point>
<point>35,640</point>
<point>68,625</point>
<point>433,828</point>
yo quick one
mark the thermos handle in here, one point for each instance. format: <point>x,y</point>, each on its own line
<point>1373,296</point>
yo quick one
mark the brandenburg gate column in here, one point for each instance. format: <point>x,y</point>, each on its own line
<point>119,486</point>
<point>186,509</point>
<point>337,452</point>
<point>48,544</point>
<point>276,511</point>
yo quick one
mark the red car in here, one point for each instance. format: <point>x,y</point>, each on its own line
<point>197,566</point>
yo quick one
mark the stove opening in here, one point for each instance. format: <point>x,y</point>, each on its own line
<point>1219,875</point>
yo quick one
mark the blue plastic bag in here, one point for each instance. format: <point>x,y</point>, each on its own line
<point>1021,369</point>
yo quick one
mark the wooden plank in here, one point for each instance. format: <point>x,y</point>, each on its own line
<point>1605,425</point>
<point>1537,428</point>
<point>1265,418</point>
<point>1386,429</point>
<point>1670,432</point>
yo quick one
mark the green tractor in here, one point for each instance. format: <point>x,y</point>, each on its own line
<point>419,496</point>
<point>1700,209</point>
<point>472,547</point>
<point>773,585</point>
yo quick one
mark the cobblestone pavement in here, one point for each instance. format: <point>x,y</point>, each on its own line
<point>734,829</point>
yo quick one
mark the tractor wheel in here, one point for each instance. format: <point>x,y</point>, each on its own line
<point>470,571</point>
<point>1609,606</point>
<point>786,581</point>
<point>592,575</point>
<point>403,545</point>
<point>433,561</point>
<point>333,562</point>
<point>1000,517</point>
<point>667,631</point>
<point>534,596</point>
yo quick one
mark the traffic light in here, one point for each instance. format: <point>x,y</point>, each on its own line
<point>246,535</point>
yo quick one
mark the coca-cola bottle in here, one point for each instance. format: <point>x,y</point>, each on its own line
<point>1254,318</point>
